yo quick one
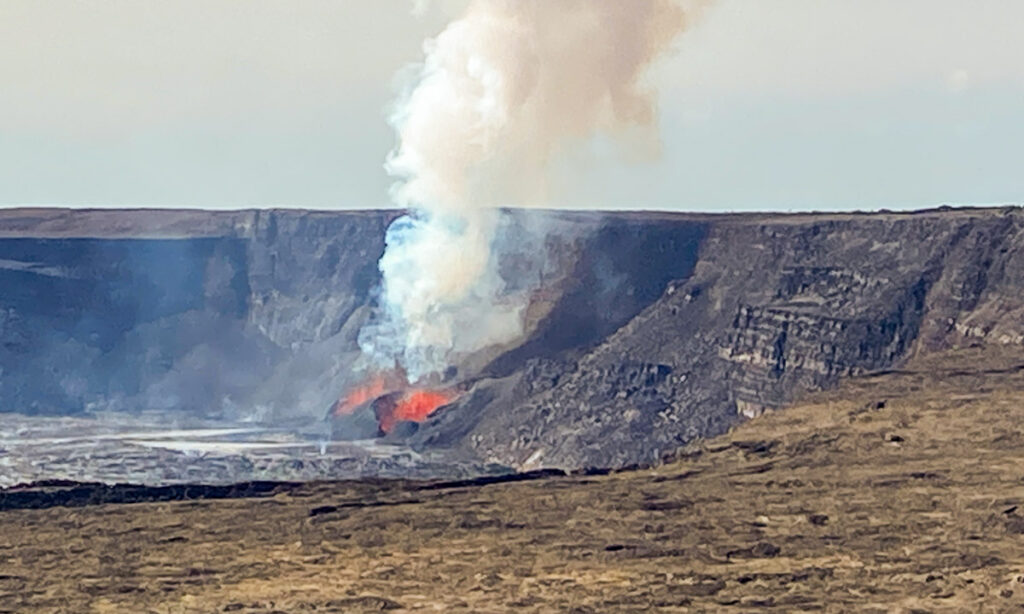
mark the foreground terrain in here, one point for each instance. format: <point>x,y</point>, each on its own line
<point>901,491</point>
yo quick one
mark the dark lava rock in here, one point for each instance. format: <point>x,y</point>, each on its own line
<point>1015,524</point>
<point>403,430</point>
<point>366,603</point>
<point>818,520</point>
<point>760,550</point>
<point>362,423</point>
<point>323,509</point>
<point>705,586</point>
<point>71,494</point>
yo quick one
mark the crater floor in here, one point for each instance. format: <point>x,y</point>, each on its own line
<point>898,492</point>
<point>161,449</point>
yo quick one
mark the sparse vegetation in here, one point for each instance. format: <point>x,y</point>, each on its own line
<point>808,509</point>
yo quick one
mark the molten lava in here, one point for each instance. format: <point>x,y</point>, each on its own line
<point>375,387</point>
<point>411,406</point>
<point>392,400</point>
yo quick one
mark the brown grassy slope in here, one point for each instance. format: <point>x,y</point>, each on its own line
<point>834,505</point>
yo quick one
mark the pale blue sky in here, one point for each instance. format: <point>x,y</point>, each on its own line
<point>765,104</point>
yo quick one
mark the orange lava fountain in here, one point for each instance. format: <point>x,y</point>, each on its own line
<point>413,406</point>
<point>373,388</point>
<point>393,401</point>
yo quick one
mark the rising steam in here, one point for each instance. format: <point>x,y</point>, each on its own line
<point>503,92</point>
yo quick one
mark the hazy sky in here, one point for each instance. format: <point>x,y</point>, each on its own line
<point>765,104</point>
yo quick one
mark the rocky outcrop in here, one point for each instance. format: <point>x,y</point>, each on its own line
<point>308,274</point>
<point>774,307</point>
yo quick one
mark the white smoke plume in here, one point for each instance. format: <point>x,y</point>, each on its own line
<point>503,92</point>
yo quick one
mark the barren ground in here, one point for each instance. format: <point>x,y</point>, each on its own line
<point>897,493</point>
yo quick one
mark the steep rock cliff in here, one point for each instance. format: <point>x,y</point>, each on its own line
<point>239,314</point>
<point>774,307</point>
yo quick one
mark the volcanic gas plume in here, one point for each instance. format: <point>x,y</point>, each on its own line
<point>502,93</point>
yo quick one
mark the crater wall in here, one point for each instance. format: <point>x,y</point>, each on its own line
<point>656,329</point>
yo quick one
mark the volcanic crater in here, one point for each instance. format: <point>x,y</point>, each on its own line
<point>644,331</point>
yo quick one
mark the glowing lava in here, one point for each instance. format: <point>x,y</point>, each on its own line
<point>392,400</point>
<point>411,406</point>
<point>375,387</point>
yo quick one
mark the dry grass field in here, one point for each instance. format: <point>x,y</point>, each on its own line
<point>899,492</point>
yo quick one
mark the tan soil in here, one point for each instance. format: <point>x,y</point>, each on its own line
<point>836,505</point>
